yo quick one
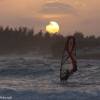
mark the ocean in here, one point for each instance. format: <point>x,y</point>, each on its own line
<point>37,78</point>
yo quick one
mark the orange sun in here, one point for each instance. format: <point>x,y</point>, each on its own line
<point>52,27</point>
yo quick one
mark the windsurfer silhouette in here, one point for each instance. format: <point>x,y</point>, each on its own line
<point>69,57</point>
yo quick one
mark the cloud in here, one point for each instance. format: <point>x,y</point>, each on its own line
<point>57,8</point>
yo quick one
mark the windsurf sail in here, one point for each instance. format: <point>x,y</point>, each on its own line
<point>68,61</point>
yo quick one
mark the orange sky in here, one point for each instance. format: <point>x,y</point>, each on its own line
<point>72,15</point>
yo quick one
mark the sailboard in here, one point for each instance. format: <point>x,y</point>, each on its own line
<point>68,61</point>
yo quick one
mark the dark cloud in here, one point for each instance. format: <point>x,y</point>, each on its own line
<point>57,8</point>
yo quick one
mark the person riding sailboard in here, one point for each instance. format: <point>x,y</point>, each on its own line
<point>68,62</point>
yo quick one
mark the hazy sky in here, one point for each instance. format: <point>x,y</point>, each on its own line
<point>72,15</point>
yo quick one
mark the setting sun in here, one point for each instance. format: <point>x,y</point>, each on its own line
<point>52,27</point>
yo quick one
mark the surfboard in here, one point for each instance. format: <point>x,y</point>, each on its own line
<point>68,61</point>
